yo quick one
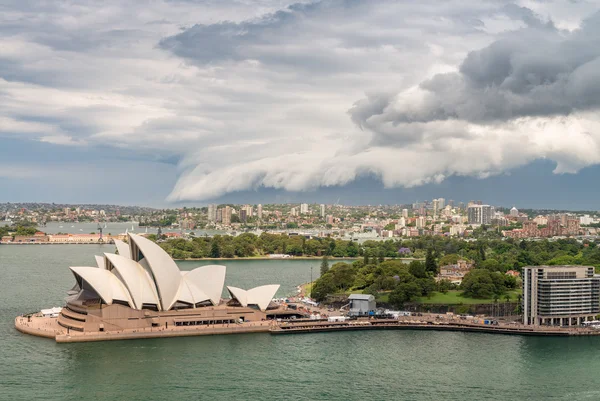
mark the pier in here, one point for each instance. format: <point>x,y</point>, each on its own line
<point>48,327</point>
<point>428,324</point>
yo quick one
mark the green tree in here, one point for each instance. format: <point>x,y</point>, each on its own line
<point>343,275</point>
<point>444,286</point>
<point>215,249</point>
<point>417,269</point>
<point>351,249</point>
<point>490,264</point>
<point>404,292</point>
<point>430,263</point>
<point>323,287</point>
<point>324,265</point>
<point>481,283</point>
<point>449,259</point>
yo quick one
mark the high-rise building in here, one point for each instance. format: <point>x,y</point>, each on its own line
<point>212,212</point>
<point>405,213</point>
<point>441,203</point>
<point>329,219</point>
<point>480,214</point>
<point>573,226</point>
<point>420,222</point>
<point>322,209</point>
<point>219,215</point>
<point>226,216</point>
<point>243,215</point>
<point>304,208</point>
<point>249,210</point>
<point>259,211</point>
<point>435,208</point>
<point>560,295</point>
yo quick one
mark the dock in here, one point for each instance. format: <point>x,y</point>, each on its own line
<point>49,327</point>
<point>410,324</point>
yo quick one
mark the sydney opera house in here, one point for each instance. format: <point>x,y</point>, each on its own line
<point>140,292</point>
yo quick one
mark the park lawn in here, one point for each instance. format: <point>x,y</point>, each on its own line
<point>383,297</point>
<point>455,297</point>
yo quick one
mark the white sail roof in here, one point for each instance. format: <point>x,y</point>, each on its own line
<point>136,279</point>
<point>104,283</point>
<point>123,248</point>
<point>260,296</point>
<point>143,273</point>
<point>190,293</point>
<point>164,270</point>
<point>100,262</point>
<point>210,279</point>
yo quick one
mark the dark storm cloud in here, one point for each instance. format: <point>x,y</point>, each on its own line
<point>538,71</point>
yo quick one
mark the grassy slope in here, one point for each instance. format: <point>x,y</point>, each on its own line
<point>455,297</point>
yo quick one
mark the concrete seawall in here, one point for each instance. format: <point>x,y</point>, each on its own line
<point>166,333</point>
<point>320,327</point>
<point>49,328</point>
<point>24,326</point>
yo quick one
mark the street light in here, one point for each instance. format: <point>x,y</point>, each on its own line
<point>311,282</point>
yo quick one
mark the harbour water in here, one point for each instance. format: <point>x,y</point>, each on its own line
<point>376,365</point>
<point>113,228</point>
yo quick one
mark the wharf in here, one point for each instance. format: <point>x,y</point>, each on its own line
<point>407,324</point>
<point>49,327</point>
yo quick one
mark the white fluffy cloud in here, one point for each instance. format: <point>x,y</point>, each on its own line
<point>300,95</point>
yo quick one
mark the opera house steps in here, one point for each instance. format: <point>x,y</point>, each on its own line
<point>70,314</point>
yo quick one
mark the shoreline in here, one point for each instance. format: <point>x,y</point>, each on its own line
<point>49,328</point>
<point>316,258</point>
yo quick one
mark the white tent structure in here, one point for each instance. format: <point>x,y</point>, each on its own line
<point>143,275</point>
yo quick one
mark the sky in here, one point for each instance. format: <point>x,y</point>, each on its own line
<point>186,102</point>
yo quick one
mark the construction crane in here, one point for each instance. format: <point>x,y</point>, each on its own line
<point>100,231</point>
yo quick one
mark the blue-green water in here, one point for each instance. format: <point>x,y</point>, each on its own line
<point>386,365</point>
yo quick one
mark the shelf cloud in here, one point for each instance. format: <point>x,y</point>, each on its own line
<point>303,95</point>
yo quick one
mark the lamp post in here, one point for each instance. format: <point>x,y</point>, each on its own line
<point>311,282</point>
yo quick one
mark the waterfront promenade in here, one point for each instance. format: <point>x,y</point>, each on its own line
<point>49,327</point>
<point>424,323</point>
